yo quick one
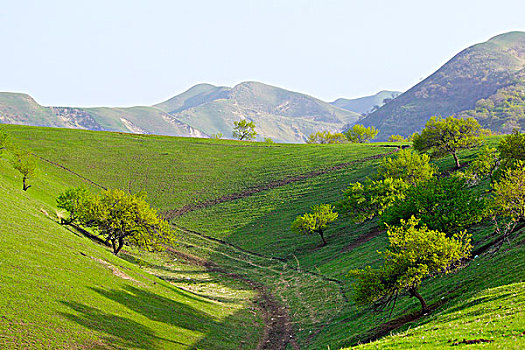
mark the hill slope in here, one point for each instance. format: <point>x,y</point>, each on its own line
<point>366,104</point>
<point>61,290</point>
<point>18,108</point>
<point>240,222</point>
<point>475,73</point>
<point>279,114</point>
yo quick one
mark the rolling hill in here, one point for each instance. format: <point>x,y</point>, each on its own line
<point>237,276</point>
<point>202,111</point>
<point>16,108</point>
<point>366,104</point>
<point>475,73</point>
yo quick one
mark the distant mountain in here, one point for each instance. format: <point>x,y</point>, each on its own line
<point>201,111</point>
<point>476,73</point>
<point>279,114</point>
<point>366,104</point>
<point>18,108</point>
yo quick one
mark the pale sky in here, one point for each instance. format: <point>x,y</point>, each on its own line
<point>124,53</point>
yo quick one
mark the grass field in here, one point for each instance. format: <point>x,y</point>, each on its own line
<point>60,290</point>
<point>249,235</point>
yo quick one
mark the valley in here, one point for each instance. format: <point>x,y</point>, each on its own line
<point>236,275</point>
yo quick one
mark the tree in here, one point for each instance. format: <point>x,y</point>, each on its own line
<point>395,176</point>
<point>244,130</point>
<point>25,163</point>
<point>443,204</point>
<point>414,253</point>
<point>74,201</point>
<point>362,202</point>
<point>485,164</point>
<point>4,140</point>
<point>396,138</point>
<point>512,149</point>
<point>325,137</point>
<point>441,137</point>
<point>359,133</point>
<point>408,166</point>
<point>316,221</point>
<point>123,218</point>
<point>509,199</point>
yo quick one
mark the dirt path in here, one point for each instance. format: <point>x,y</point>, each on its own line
<point>362,239</point>
<point>170,214</point>
<point>70,171</point>
<point>387,327</point>
<point>278,330</point>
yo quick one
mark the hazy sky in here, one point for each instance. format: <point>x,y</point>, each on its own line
<point>122,53</point>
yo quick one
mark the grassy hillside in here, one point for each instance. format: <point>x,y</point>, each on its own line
<point>61,290</point>
<point>233,203</point>
<point>367,104</point>
<point>473,74</point>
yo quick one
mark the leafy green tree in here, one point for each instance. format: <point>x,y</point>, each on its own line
<point>415,252</point>
<point>359,133</point>
<point>509,199</point>
<point>217,136</point>
<point>512,149</point>
<point>316,221</point>
<point>485,164</point>
<point>325,137</point>
<point>444,204</point>
<point>396,138</point>
<point>408,166</point>
<point>441,137</point>
<point>25,163</point>
<point>124,218</point>
<point>74,201</point>
<point>244,130</point>
<point>268,140</point>
<point>363,201</point>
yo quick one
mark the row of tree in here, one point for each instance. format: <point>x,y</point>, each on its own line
<point>426,214</point>
<point>356,134</point>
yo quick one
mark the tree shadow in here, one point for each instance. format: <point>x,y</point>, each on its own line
<point>161,309</point>
<point>120,332</point>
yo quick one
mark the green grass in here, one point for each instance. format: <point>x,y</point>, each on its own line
<point>60,290</point>
<point>177,172</point>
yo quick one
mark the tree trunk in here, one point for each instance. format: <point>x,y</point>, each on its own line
<point>24,183</point>
<point>321,233</point>
<point>456,159</point>
<point>413,292</point>
<point>120,245</point>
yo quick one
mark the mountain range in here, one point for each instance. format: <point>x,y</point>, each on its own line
<point>478,82</point>
<point>202,111</point>
<point>485,81</point>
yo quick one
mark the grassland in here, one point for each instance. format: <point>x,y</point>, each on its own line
<point>61,290</point>
<point>249,235</point>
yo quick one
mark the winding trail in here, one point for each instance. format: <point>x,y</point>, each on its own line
<point>278,331</point>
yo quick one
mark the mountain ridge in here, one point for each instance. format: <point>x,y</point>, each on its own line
<point>474,73</point>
